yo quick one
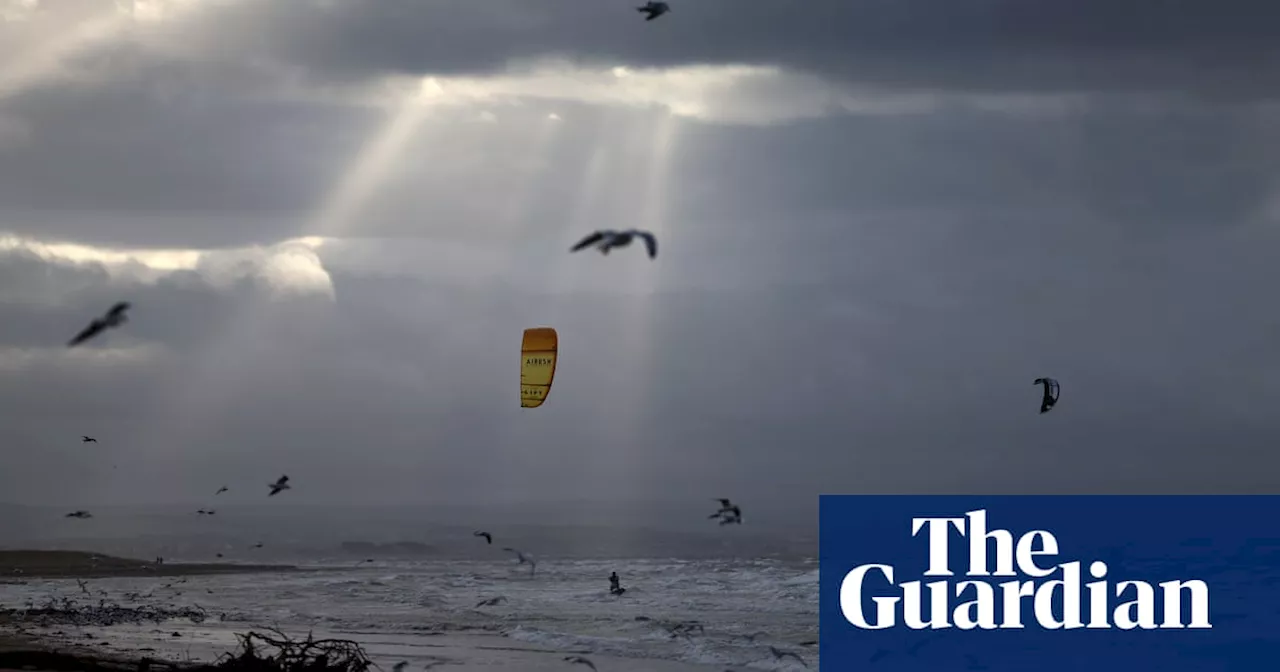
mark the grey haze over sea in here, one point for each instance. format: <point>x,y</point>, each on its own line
<point>395,585</point>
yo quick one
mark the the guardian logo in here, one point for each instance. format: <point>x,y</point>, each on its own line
<point>983,597</point>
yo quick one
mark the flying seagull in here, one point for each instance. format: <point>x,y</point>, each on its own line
<point>608,239</point>
<point>653,10</point>
<point>732,516</point>
<point>221,490</point>
<point>487,537</point>
<point>579,660</point>
<point>1051,390</point>
<point>113,318</point>
<point>281,483</point>
<point>725,507</point>
<point>779,654</point>
<point>79,514</point>
<point>88,439</point>
<point>523,558</point>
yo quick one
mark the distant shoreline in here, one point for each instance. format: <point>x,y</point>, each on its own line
<point>35,564</point>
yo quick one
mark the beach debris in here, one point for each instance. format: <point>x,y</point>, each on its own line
<point>523,558</point>
<point>221,490</point>
<point>113,318</point>
<point>487,537</point>
<point>79,514</point>
<point>779,654</point>
<point>281,483</point>
<point>87,439</point>
<point>607,239</point>
<point>579,660</point>
<point>66,611</point>
<point>277,652</point>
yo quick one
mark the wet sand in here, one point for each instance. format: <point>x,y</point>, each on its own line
<point>475,652</point>
<point>18,565</point>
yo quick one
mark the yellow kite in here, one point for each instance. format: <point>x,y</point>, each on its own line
<point>537,365</point>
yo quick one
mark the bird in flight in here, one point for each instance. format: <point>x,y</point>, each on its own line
<point>79,514</point>
<point>487,537</point>
<point>281,483</point>
<point>728,514</point>
<point>653,10</point>
<point>579,660</point>
<point>221,490</point>
<point>608,239</point>
<point>1051,391</point>
<point>779,654</point>
<point>491,601</point>
<point>523,558</point>
<point>113,318</point>
<point>88,439</point>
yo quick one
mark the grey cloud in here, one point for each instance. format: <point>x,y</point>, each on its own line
<point>1221,48</point>
<point>849,304</point>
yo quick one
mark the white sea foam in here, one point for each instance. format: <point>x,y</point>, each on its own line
<point>564,606</point>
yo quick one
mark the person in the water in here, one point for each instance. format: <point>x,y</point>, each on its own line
<point>615,586</point>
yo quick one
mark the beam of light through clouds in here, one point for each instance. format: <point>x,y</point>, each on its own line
<point>877,223</point>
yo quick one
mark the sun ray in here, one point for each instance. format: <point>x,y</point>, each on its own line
<point>643,280</point>
<point>198,398</point>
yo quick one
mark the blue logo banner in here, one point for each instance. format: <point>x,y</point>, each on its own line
<point>1049,583</point>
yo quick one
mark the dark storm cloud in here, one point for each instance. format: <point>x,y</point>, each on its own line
<point>847,304</point>
<point>1224,47</point>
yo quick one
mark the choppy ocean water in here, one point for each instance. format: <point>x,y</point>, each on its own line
<point>742,606</point>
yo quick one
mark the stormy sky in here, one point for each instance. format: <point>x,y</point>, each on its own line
<point>879,221</point>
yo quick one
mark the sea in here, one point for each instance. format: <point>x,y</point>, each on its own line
<point>732,608</point>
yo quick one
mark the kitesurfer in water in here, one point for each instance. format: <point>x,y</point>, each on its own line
<point>615,585</point>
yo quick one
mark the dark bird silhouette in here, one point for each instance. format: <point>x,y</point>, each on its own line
<point>653,10</point>
<point>733,516</point>
<point>579,660</point>
<point>88,439</point>
<point>281,483</point>
<point>1051,391</point>
<point>487,537</point>
<point>725,507</point>
<point>257,545</point>
<point>608,239</point>
<point>491,601</point>
<point>79,514</point>
<point>523,558</point>
<point>113,318</point>
<point>221,490</point>
<point>779,654</point>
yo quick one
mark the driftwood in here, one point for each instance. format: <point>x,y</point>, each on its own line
<point>257,653</point>
<point>279,653</point>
